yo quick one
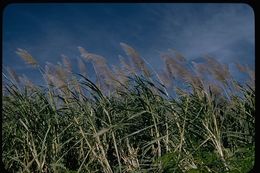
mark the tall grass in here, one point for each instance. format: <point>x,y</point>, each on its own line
<point>131,119</point>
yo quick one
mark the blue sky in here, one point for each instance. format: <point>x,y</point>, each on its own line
<point>225,31</point>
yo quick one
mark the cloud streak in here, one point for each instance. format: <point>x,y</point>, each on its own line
<point>224,25</point>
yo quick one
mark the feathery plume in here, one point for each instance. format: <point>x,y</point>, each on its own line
<point>131,52</point>
<point>166,80</point>
<point>82,67</point>
<point>178,56</point>
<point>248,71</point>
<point>55,75</point>
<point>196,82</point>
<point>103,72</point>
<point>241,68</point>
<point>27,57</point>
<point>174,68</point>
<point>66,63</point>
<point>90,56</point>
<point>126,65</point>
<point>137,60</point>
<point>61,73</point>
<point>200,68</point>
<point>120,74</point>
<point>218,70</point>
<point>83,51</point>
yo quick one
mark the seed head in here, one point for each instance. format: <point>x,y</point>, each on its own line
<point>66,63</point>
<point>27,57</point>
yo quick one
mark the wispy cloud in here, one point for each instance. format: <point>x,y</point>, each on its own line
<point>199,29</point>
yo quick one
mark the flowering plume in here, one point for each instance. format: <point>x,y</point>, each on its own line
<point>56,75</point>
<point>126,66</point>
<point>82,67</point>
<point>27,57</point>
<point>66,63</point>
<point>137,60</point>
<point>104,74</point>
<point>219,71</point>
<point>175,68</point>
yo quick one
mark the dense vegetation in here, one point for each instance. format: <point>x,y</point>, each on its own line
<point>187,118</point>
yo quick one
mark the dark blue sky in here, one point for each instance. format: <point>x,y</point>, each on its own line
<point>225,31</point>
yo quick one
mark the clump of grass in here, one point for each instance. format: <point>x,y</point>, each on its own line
<point>130,119</point>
